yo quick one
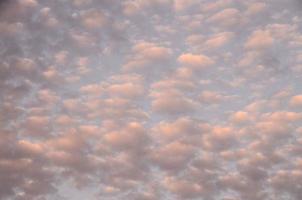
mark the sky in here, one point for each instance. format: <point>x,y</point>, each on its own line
<point>150,100</point>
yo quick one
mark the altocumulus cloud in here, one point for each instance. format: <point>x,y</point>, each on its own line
<point>150,100</point>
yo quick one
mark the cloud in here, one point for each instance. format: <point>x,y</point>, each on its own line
<point>93,19</point>
<point>218,40</point>
<point>255,8</point>
<point>296,101</point>
<point>150,99</point>
<point>126,89</point>
<point>172,156</point>
<point>184,189</point>
<point>172,103</point>
<point>133,136</point>
<point>259,39</point>
<point>220,139</point>
<point>180,5</point>
<point>194,61</point>
<point>181,128</point>
<point>146,53</point>
<point>227,17</point>
<point>212,97</point>
<point>212,6</point>
<point>240,117</point>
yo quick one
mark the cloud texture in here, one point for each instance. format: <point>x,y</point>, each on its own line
<point>150,99</point>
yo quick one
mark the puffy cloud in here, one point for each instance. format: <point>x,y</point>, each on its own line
<point>133,7</point>
<point>195,61</point>
<point>220,138</point>
<point>70,141</point>
<point>146,53</point>
<point>180,5</point>
<point>283,116</point>
<point>259,39</point>
<point>173,156</point>
<point>150,99</point>
<point>126,89</point>
<point>92,89</point>
<point>130,8</point>
<point>93,19</point>
<point>133,136</point>
<point>212,97</point>
<point>31,148</point>
<point>52,74</point>
<point>182,128</point>
<point>83,39</point>
<point>89,130</point>
<point>172,83</point>
<point>227,17</point>
<point>213,6</point>
<point>64,120</point>
<point>184,189</point>
<point>172,102</point>
<point>48,96</point>
<point>37,124</point>
<point>255,8</point>
<point>287,180</point>
<point>296,101</point>
<point>71,104</point>
<point>25,64</point>
<point>29,3</point>
<point>218,40</point>
<point>240,117</point>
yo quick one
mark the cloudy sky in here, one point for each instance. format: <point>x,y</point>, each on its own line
<point>150,99</point>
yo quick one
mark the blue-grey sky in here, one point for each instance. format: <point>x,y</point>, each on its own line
<point>150,99</point>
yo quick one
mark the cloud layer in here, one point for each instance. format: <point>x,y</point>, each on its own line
<point>150,99</point>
